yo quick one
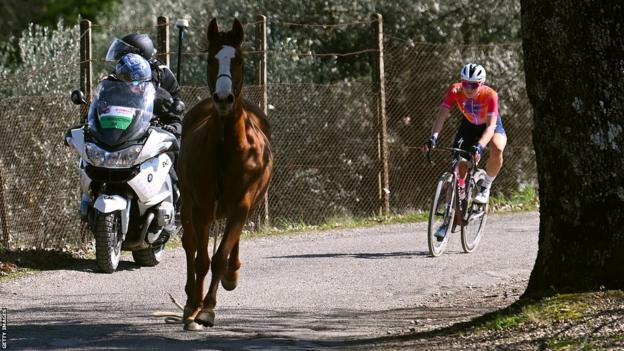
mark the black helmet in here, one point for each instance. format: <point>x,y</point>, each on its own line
<point>132,43</point>
<point>141,42</point>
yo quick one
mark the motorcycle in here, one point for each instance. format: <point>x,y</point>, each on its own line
<point>127,193</point>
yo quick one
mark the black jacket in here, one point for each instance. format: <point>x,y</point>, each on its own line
<point>169,112</point>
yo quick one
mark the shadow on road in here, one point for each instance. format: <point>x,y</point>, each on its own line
<point>50,260</point>
<point>95,326</point>
<point>363,255</point>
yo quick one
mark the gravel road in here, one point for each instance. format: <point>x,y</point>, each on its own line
<point>304,291</point>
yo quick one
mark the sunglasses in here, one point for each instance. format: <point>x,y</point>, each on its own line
<point>136,86</point>
<point>470,85</point>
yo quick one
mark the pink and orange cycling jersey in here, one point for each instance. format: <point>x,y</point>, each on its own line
<point>476,110</point>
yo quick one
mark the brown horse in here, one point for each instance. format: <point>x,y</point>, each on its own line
<point>225,167</point>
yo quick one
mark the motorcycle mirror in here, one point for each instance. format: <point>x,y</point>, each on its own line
<point>78,97</point>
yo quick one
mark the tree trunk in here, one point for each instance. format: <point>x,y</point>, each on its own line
<point>574,64</point>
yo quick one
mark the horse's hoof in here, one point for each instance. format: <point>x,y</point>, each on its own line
<point>190,325</point>
<point>206,317</point>
<point>230,284</point>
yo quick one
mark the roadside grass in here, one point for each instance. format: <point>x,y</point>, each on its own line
<point>580,321</point>
<point>344,222</point>
<point>567,307</point>
<point>40,260</point>
<point>526,199</point>
<point>286,227</point>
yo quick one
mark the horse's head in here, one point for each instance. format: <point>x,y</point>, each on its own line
<point>225,65</point>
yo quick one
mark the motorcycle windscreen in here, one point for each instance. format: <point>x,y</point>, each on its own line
<point>120,112</point>
<point>119,48</point>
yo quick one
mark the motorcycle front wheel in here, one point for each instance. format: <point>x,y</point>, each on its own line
<point>107,241</point>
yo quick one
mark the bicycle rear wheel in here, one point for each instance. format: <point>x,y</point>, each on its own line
<point>472,230</point>
<point>441,214</point>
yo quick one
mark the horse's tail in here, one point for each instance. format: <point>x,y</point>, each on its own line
<point>171,317</point>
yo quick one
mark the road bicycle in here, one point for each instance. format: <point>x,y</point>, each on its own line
<point>451,210</point>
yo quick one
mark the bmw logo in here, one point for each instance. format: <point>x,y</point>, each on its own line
<point>150,177</point>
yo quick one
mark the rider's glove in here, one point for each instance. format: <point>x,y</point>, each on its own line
<point>477,149</point>
<point>431,143</point>
<point>170,129</point>
<point>177,107</point>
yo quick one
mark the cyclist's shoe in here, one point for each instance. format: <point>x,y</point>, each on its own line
<point>483,196</point>
<point>440,234</point>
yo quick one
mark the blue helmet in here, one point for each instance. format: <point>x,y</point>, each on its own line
<point>133,68</point>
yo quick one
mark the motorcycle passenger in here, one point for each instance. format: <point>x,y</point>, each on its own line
<point>135,71</point>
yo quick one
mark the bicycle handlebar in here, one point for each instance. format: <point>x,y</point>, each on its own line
<point>462,152</point>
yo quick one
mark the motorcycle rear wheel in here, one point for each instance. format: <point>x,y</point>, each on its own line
<point>149,257</point>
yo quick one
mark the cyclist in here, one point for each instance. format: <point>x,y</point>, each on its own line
<point>481,127</point>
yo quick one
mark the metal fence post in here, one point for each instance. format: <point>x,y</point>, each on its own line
<point>3,216</point>
<point>162,40</point>
<point>379,86</point>
<point>86,65</point>
<point>263,81</point>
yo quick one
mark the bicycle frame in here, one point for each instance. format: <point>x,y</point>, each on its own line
<point>460,156</point>
<point>448,211</point>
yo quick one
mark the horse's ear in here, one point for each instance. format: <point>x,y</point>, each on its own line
<point>213,30</point>
<point>238,32</point>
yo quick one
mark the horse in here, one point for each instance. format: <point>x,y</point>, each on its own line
<point>225,167</point>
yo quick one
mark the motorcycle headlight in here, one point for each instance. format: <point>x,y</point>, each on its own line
<point>124,158</point>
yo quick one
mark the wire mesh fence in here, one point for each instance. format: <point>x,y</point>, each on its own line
<point>325,137</point>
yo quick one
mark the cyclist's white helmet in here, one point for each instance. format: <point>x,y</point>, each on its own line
<point>473,73</point>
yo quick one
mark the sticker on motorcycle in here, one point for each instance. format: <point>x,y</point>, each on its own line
<point>117,117</point>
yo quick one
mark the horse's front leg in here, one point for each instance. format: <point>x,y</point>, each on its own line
<point>200,265</point>
<point>235,222</point>
<point>229,279</point>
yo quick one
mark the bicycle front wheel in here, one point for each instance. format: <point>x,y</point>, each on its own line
<point>472,230</point>
<point>441,215</point>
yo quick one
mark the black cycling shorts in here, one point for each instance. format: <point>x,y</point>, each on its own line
<point>469,134</point>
